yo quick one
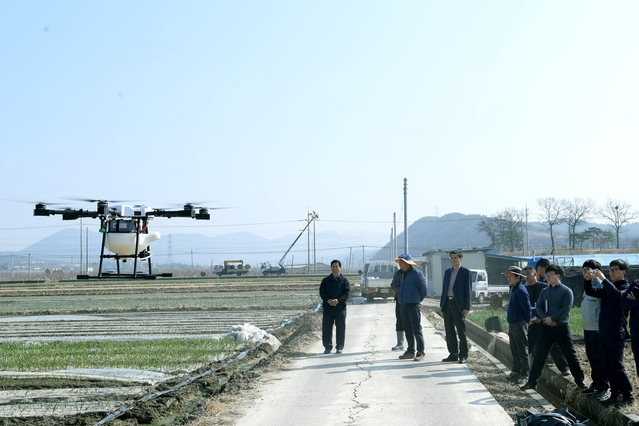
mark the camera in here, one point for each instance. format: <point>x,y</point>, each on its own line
<point>593,271</point>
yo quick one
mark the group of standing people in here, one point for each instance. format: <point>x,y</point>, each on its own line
<point>409,285</point>
<point>410,289</point>
<point>538,320</point>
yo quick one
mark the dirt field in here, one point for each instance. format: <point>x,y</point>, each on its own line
<point>215,392</point>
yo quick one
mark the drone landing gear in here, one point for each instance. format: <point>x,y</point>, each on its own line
<point>141,256</point>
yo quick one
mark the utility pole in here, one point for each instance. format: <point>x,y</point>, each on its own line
<point>526,246</point>
<point>394,248</point>
<point>350,258</point>
<point>405,216</point>
<point>390,245</point>
<point>81,260</point>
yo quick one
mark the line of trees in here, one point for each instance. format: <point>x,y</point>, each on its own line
<point>506,228</point>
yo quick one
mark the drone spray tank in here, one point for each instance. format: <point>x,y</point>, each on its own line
<point>122,237</point>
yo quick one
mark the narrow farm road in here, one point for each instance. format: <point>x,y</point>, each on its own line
<point>368,384</point>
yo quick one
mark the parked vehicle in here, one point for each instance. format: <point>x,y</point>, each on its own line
<point>232,267</point>
<point>279,269</point>
<point>376,279</point>
<point>482,290</point>
<point>268,269</point>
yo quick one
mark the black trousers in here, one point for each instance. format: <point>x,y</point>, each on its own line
<point>518,338</point>
<point>453,320</point>
<point>612,348</point>
<point>548,336</point>
<point>399,326</point>
<point>335,317</point>
<point>555,352</point>
<point>594,352</point>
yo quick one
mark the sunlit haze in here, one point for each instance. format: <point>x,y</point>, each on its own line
<point>278,108</point>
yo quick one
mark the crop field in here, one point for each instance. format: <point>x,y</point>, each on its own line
<point>92,347</point>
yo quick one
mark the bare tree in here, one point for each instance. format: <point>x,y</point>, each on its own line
<point>578,211</point>
<point>618,213</point>
<point>504,229</point>
<point>490,227</point>
<point>552,214</point>
<point>511,234</point>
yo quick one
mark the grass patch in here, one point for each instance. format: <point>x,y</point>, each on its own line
<point>166,355</point>
<point>480,316</point>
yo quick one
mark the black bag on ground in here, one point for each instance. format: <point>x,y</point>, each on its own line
<point>494,324</point>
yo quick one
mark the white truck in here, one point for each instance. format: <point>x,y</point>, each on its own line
<point>376,279</point>
<point>482,290</point>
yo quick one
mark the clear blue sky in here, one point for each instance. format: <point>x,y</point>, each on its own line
<point>275,108</point>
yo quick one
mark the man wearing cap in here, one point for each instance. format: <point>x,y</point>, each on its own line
<point>553,307</point>
<point>411,290</point>
<point>454,306</point>
<point>518,317</point>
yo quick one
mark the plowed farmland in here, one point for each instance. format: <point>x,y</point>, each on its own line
<point>116,311</point>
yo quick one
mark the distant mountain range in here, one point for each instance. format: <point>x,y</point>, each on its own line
<point>460,231</point>
<point>451,231</point>
<point>66,247</point>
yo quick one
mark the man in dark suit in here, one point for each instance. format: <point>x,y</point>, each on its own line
<point>454,306</point>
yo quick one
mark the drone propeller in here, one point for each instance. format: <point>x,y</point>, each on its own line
<point>36,202</point>
<point>98,201</point>
<point>190,205</point>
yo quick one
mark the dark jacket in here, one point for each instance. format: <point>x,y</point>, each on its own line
<point>555,302</point>
<point>519,308</point>
<point>632,305</point>
<point>335,288</point>
<point>462,288</point>
<point>612,318</point>
<point>411,287</point>
<point>534,291</point>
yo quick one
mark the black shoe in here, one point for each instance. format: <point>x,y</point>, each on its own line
<point>589,390</point>
<point>450,358</point>
<point>328,351</point>
<point>407,355</point>
<point>419,356</point>
<point>581,385</point>
<point>512,376</point>
<point>462,359</point>
<point>612,400</point>
<point>625,402</point>
<point>600,394</point>
<point>527,386</point>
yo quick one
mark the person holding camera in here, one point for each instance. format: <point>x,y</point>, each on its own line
<point>590,310</point>
<point>612,329</point>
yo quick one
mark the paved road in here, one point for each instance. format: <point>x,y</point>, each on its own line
<point>369,385</point>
